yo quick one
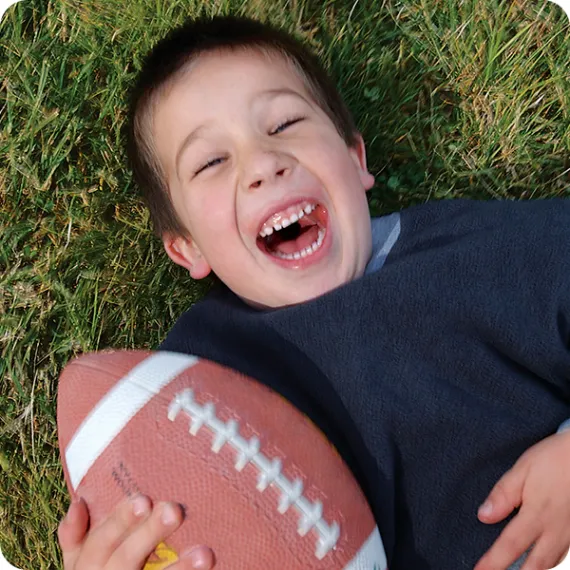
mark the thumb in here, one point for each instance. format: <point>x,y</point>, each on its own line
<point>505,496</point>
<point>72,530</point>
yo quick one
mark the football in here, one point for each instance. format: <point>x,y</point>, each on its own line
<point>259,482</point>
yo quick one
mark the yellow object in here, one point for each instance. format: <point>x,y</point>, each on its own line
<point>161,558</point>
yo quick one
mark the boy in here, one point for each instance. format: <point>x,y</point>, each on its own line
<point>432,347</point>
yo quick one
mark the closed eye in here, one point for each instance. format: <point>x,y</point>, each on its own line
<point>278,130</point>
<point>208,164</point>
<point>286,124</point>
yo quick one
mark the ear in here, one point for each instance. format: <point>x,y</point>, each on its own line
<point>184,252</point>
<point>358,154</point>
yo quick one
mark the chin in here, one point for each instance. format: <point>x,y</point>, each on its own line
<point>301,294</point>
<point>310,293</point>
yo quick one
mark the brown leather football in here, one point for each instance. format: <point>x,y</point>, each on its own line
<point>260,484</point>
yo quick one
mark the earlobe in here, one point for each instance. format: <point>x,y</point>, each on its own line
<point>184,252</point>
<point>358,153</point>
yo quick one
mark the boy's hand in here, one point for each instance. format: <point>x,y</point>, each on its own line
<point>125,539</point>
<point>539,483</point>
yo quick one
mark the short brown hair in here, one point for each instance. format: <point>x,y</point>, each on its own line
<point>172,55</point>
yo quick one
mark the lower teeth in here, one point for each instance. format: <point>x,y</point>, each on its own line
<point>305,252</point>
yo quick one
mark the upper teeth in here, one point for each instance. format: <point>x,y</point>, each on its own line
<point>269,228</point>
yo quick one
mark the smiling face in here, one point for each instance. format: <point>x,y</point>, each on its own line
<point>273,199</point>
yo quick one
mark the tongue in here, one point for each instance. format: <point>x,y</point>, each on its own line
<point>304,240</point>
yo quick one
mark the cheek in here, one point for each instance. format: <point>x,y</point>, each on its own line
<point>332,158</point>
<point>213,218</point>
<point>211,212</point>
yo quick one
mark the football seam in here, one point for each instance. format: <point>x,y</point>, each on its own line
<point>248,452</point>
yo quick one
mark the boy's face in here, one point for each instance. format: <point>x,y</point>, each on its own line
<point>246,151</point>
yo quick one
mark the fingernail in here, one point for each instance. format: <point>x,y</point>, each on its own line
<point>201,557</point>
<point>169,515</point>
<point>486,509</point>
<point>140,505</point>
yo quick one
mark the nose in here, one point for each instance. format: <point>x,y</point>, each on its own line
<point>264,167</point>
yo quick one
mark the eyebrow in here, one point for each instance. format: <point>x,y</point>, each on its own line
<point>195,133</point>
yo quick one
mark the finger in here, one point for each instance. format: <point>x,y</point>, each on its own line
<point>132,553</point>
<point>546,554</point>
<point>71,532</point>
<point>505,496</point>
<point>199,558</point>
<point>103,540</point>
<point>513,542</point>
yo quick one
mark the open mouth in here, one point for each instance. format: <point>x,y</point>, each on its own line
<point>295,233</point>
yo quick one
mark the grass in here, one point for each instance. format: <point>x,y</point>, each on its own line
<point>455,98</point>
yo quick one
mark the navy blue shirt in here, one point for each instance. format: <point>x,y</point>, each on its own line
<point>432,373</point>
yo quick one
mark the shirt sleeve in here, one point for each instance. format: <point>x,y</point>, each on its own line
<point>564,426</point>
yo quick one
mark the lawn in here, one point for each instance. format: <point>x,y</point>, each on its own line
<point>455,98</point>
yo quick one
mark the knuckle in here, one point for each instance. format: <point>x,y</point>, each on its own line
<point>501,490</point>
<point>514,542</point>
<point>548,507</point>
